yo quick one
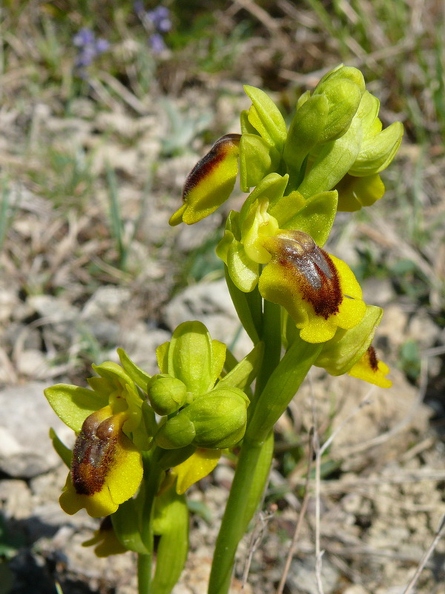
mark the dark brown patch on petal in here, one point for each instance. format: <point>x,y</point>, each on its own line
<point>210,161</point>
<point>316,277</point>
<point>372,358</point>
<point>93,454</point>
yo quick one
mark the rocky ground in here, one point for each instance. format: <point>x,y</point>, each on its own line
<point>70,294</point>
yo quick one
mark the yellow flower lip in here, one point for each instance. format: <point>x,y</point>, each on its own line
<point>313,271</point>
<point>106,467</point>
<point>94,451</point>
<point>319,291</point>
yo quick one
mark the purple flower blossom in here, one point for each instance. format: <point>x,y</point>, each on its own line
<point>157,43</point>
<point>157,22</point>
<point>89,48</point>
<point>160,17</point>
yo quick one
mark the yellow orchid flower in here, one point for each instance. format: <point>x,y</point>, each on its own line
<point>106,467</point>
<point>319,291</point>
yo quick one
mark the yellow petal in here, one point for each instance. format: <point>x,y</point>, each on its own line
<point>199,465</point>
<point>371,370</point>
<point>210,182</point>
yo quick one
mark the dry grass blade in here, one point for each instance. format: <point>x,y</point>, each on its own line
<point>440,532</point>
<point>301,516</point>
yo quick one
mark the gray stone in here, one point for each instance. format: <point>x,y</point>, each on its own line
<point>302,577</point>
<point>210,303</point>
<point>25,447</point>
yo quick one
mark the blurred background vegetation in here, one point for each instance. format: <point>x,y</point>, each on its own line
<point>122,56</point>
<point>89,69</point>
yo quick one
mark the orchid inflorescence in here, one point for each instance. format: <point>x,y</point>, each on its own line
<point>141,440</point>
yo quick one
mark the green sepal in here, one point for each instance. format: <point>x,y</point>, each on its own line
<point>242,270</point>
<point>126,527</point>
<point>64,453</point>
<point>257,158</point>
<point>111,371</point>
<point>344,96</point>
<point>377,152</point>
<point>73,404</point>
<point>177,432</point>
<point>171,523</point>
<point>315,217</point>
<point>265,117</point>
<point>271,187</point>
<point>341,73</point>
<point>215,420</point>
<point>332,162</point>
<point>136,373</point>
<point>219,418</point>
<point>342,352</point>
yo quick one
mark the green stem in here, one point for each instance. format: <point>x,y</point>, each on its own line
<point>144,573</point>
<point>152,476</point>
<point>271,336</point>
<point>247,490</point>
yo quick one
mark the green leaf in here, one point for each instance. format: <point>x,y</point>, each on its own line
<point>281,387</point>
<point>125,523</point>
<point>172,523</point>
<point>73,404</point>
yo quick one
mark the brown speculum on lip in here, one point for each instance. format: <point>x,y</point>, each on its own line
<point>314,273</point>
<point>93,453</point>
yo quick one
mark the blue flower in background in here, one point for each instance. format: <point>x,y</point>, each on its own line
<point>157,23</point>
<point>160,17</point>
<point>89,48</point>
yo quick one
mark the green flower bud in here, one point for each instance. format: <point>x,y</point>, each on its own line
<point>342,73</point>
<point>193,357</point>
<point>166,394</point>
<point>214,420</point>
<point>219,418</point>
<point>306,130</point>
<point>177,432</point>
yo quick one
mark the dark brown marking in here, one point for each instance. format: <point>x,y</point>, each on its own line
<point>210,161</point>
<point>93,454</point>
<point>312,270</point>
<point>372,358</point>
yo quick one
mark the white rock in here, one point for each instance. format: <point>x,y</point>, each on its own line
<point>25,448</point>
